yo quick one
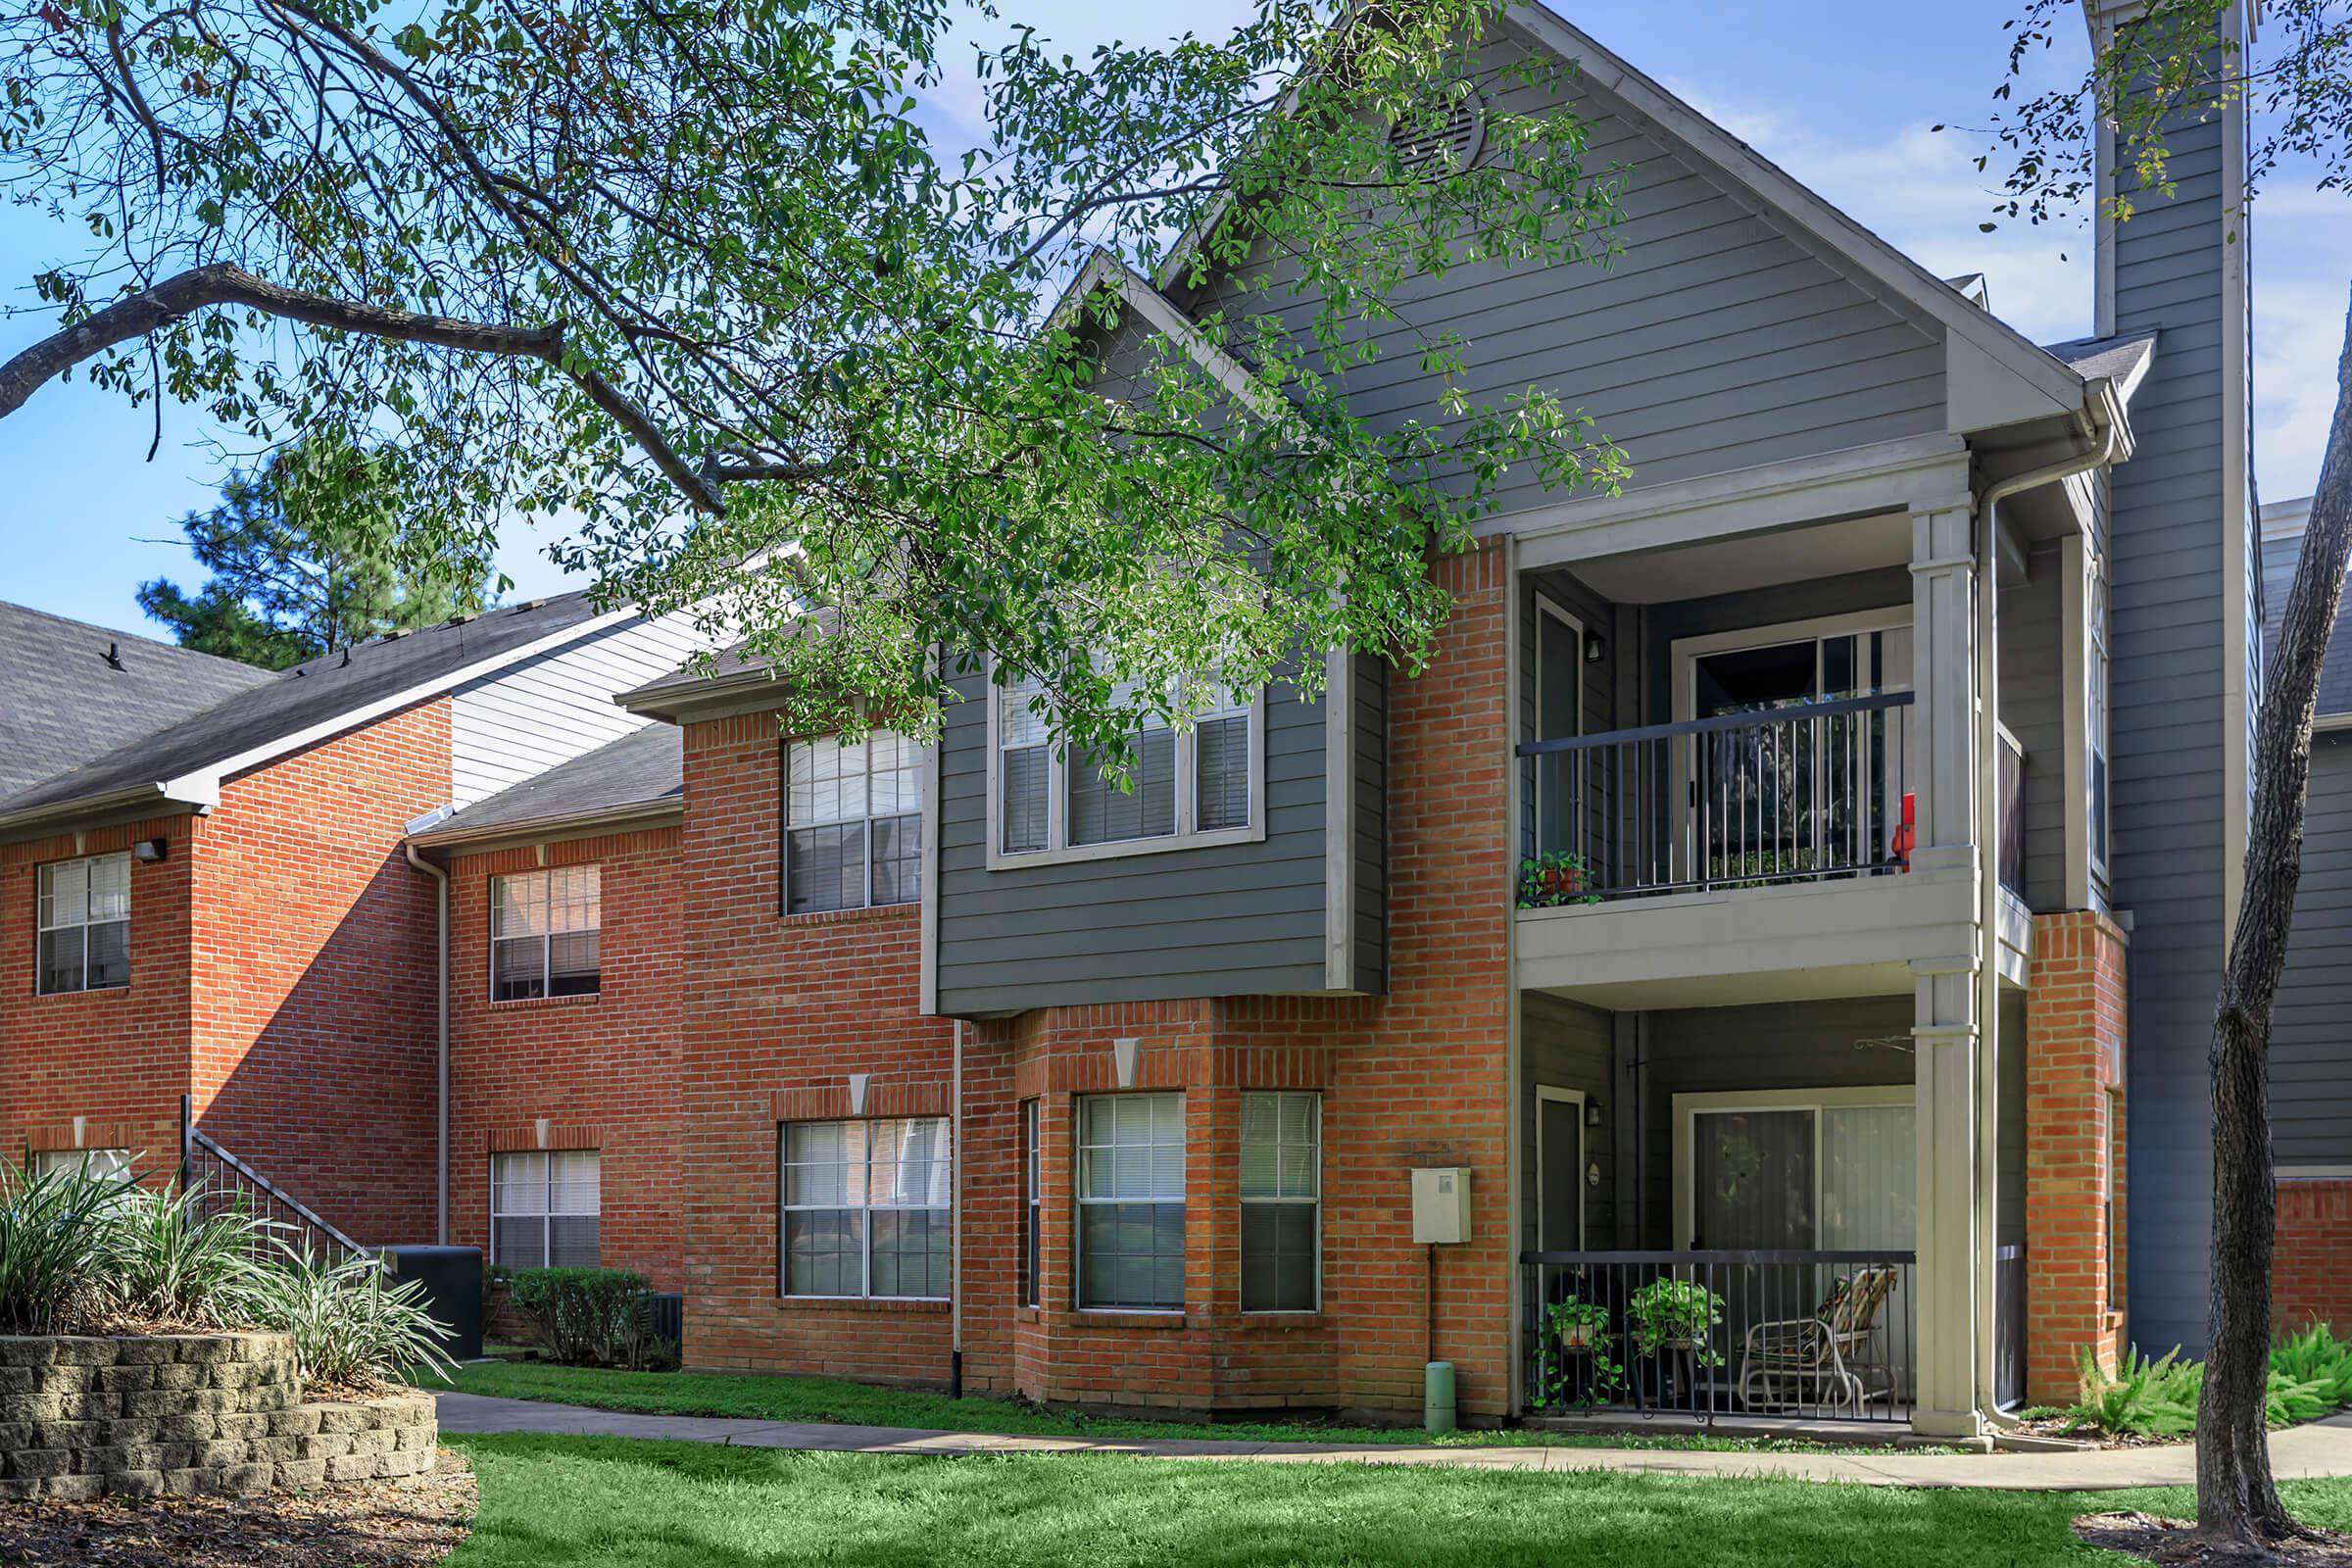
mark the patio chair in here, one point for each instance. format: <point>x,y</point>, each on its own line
<point>1828,1352</point>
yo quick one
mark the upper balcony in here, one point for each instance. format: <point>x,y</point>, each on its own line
<point>1768,834</point>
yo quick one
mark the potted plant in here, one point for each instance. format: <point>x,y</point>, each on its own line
<point>1576,1325</point>
<point>1671,1314</point>
<point>1555,877</point>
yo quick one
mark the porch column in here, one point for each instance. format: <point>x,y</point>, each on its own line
<point>1948,1056</point>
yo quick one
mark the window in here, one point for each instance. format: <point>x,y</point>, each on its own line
<point>544,937</point>
<point>543,1210</point>
<point>101,1162</point>
<point>1281,1187</point>
<point>853,823</point>
<point>1182,786</point>
<point>867,1207</point>
<point>1131,1202</point>
<point>1032,1203</point>
<point>2095,709</point>
<point>82,924</point>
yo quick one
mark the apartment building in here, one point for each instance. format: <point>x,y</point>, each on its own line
<point>1802,877</point>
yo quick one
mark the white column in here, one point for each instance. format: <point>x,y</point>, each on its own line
<point>1949,1057</point>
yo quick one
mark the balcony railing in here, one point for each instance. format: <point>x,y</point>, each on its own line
<point>1803,1333</point>
<point>1798,794</point>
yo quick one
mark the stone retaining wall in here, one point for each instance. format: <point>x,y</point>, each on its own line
<point>173,1413</point>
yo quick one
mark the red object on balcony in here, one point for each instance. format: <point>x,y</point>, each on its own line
<point>1908,833</point>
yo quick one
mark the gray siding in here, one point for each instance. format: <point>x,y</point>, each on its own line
<point>1233,919</point>
<point>1803,1044</point>
<point>2032,704</point>
<point>1565,1046</point>
<point>1716,340</point>
<point>1371,798</point>
<point>2166,572</point>
<point>2310,1024</point>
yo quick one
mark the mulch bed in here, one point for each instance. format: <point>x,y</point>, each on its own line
<point>408,1523</point>
<point>2174,1543</point>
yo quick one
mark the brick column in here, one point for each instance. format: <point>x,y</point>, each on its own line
<point>2075,1029</point>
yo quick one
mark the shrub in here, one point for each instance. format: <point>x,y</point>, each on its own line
<point>168,1262</point>
<point>592,1316</point>
<point>2315,1355</point>
<point>2146,1399</point>
<point>54,1248</point>
<point>349,1326</point>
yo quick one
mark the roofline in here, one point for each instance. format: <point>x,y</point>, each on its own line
<point>559,825</point>
<point>1924,292</point>
<point>1779,189</point>
<point>201,787</point>
<point>660,700</point>
<point>131,801</point>
<point>1103,269</point>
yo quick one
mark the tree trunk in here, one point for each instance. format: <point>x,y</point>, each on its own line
<point>2237,1500</point>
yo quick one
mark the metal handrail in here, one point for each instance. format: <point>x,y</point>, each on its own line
<point>1877,702</point>
<point>1753,1255</point>
<point>194,1139</point>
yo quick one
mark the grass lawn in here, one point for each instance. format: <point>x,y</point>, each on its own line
<point>793,1399</point>
<point>549,1500</point>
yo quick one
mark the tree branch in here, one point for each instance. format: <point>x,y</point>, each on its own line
<point>222,285</point>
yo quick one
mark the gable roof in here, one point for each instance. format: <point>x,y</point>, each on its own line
<point>640,775</point>
<point>1993,345</point>
<point>71,691</point>
<point>186,762</point>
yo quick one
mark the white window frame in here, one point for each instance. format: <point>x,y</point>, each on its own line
<point>1082,1201</point>
<point>921,813</point>
<point>1031,1282</point>
<point>549,1213</point>
<point>1687,651</point>
<point>45,872</point>
<point>1688,1107</point>
<point>866,1206</point>
<point>1314,1097</point>
<point>1059,850</point>
<point>546,937</point>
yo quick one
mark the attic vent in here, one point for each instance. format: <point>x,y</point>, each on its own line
<point>1457,138</point>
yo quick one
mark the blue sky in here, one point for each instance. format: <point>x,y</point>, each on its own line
<point>1841,95</point>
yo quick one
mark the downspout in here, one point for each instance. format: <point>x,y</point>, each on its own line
<point>441,1045</point>
<point>956,1154</point>
<point>1988,888</point>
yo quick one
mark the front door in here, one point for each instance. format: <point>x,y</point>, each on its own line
<point>1559,1170</point>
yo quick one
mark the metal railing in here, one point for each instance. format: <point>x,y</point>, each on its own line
<point>1792,1332</point>
<point>1800,793</point>
<point>215,1181</point>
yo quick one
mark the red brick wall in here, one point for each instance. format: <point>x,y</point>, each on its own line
<point>1418,1078</point>
<point>313,1029</point>
<point>601,1070</point>
<point>116,1058</point>
<point>2311,1273</point>
<point>2074,1024</point>
<point>781,1011</point>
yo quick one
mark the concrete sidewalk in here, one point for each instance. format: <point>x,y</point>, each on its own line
<point>2320,1449</point>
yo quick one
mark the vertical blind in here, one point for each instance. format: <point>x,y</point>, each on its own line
<point>867,1207</point>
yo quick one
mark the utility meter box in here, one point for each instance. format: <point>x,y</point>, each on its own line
<point>1440,1204</point>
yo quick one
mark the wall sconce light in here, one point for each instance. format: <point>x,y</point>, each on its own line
<point>1596,648</point>
<point>149,850</point>
<point>1592,1112</point>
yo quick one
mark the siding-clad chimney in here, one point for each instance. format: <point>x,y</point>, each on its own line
<point>2185,564</point>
